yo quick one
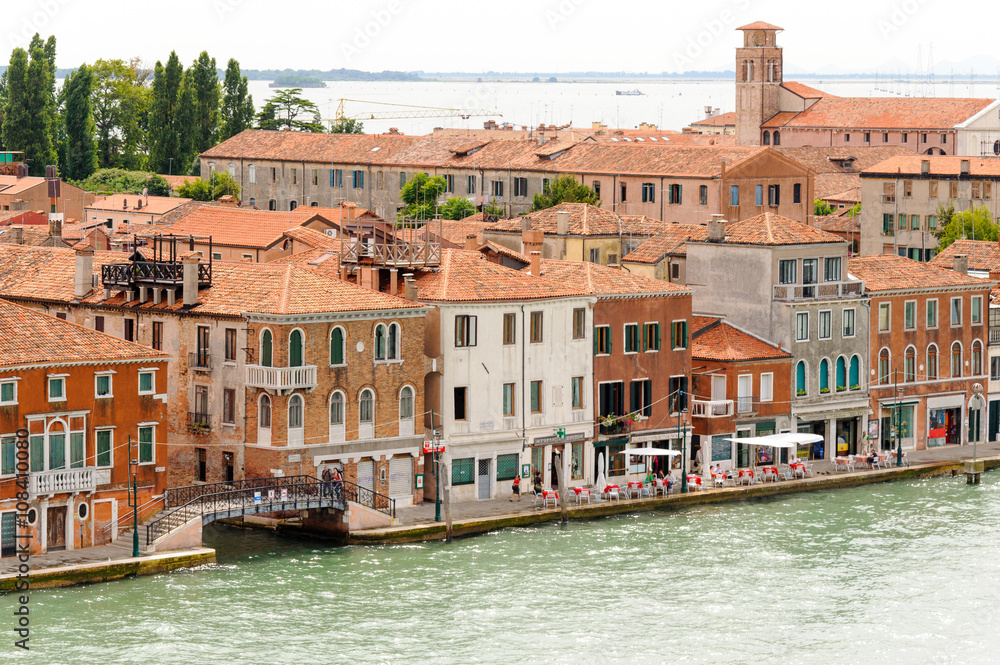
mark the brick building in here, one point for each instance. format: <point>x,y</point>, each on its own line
<point>90,403</point>
<point>32,193</point>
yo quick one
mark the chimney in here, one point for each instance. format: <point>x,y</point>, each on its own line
<point>190,262</point>
<point>717,229</point>
<point>470,241</point>
<point>925,166</point>
<point>961,264</point>
<point>536,264</point>
<point>995,276</point>
<point>562,222</point>
<point>393,281</point>
<point>525,223</point>
<point>348,211</point>
<point>531,241</point>
<point>83,276</point>
<point>17,235</point>
<point>964,166</point>
<point>409,286</point>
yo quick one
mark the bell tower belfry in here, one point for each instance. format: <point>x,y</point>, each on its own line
<point>758,80</point>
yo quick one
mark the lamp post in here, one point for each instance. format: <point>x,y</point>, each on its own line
<point>682,429</point>
<point>437,478</point>
<point>899,438</point>
<point>133,465</point>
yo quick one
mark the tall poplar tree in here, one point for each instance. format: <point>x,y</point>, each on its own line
<point>41,102</point>
<point>16,115</point>
<point>204,82</point>
<point>165,154</point>
<point>79,151</point>
<point>237,104</point>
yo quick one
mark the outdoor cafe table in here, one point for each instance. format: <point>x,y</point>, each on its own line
<point>550,495</point>
<point>769,471</point>
<point>694,480</point>
<point>746,474</point>
<point>634,486</point>
<point>798,468</point>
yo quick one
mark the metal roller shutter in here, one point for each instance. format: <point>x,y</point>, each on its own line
<point>366,474</point>
<point>400,476</point>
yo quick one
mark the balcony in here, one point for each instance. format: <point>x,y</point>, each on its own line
<point>846,289</point>
<point>711,408</point>
<point>200,361</point>
<point>199,422</point>
<point>747,405</point>
<point>62,480</point>
<point>396,253</point>
<point>994,336</point>
<point>281,379</point>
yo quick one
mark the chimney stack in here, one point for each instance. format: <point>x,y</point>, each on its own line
<point>189,261</point>
<point>995,276</point>
<point>562,222</point>
<point>393,281</point>
<point>525,223</point>
<point>470,241</point>
<point>17,235</point>
<point>55,227</point>
<point>531,241</point>
<point>409,286</point>
<point>83,276</point>
<point>925,166</point>
<point>964,166</point>
<point>717,228</point>
<point>961,264</point>
<point>348,211</point>
<point>536,264</point>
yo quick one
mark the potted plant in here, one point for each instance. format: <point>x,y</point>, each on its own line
<point>856,386</point>
<point>800,392</point>
<point>823,391</point>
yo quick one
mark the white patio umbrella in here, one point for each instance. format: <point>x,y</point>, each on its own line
<point>601,482</point>
<point>790,440</point>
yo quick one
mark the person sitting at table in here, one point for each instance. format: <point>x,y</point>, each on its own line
<point>649,478</point>
<point>872,456</point>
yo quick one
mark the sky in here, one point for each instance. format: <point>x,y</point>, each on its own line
<point>511,35</point>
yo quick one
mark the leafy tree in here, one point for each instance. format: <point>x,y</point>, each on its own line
<point>121,112</point>
<point>347,126</point>
<point>79,151</point>
<point>27,123</point>
<point>17,116</point>
<point>167,136</point>
<point>237,104</point>
<point>565,190</point>
<point>974,224</point>
<point>3,104</point>
<point>204,81</point>
<point>41,101</point>
<point>286,109</point>
<point>457,207</point>
<point>855,210</point>
<point>219,184</point>
<point>120,181</point>
<point>821,208</point>
<point>187,124</point>
<point>494,211</point>
<point>420,194</point>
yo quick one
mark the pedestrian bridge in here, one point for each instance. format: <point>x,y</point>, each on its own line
<point>253,496</point>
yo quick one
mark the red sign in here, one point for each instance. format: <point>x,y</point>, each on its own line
<point>430,448</point>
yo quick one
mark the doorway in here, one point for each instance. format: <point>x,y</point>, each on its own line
<point>485,479</point>
<point>56,529</point>
<point>227,459</point>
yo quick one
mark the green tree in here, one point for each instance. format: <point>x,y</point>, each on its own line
<point>821,208</point>
<point>347,126</point>
<point>974,224</point>
<point>420,194</point>
<point>457,207</point>
<point>120,181</point>
<point>29,112</point>
<point>3,104</point>
<point>237,104</point>
<point>286,109</point>
<point>855,210</point>
<point>187,125</point>
<point>565,190</point>
<point>121,112</point>
<point>167,138</point>
<point>17,116</point>
<point>79,151</point>
<point>219,184</point>
<point>204,81</point>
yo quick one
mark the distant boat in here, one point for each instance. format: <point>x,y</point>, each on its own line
<point>628,93</point>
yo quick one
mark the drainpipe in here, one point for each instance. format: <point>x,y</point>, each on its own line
<point>524,421</point>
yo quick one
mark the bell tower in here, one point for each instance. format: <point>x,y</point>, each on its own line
<point>758,80</point>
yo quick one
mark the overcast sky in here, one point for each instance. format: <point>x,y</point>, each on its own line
<point>508,35</point>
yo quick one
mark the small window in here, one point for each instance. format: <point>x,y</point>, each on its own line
<point>229,406</point>
<point>449,183</point>
<point>366,407</point>
<point>631,338</point>
<point>848,320</point>
<point>337,408</point>
<point>103,439</point>
<point>956,311</point>
<point>146,452</point>
<point>461,405</point>
<point>536,396</point>
<point>825,324</point>
<point>595,255</point>
<point>509,328</point>
<point>216,256</point>
<point>465,330</point>
<point>758,197</point>
<point>831,269</point>
<point>129,330</point>
<point>774,195</point>
<point>509,405</point>
<point>497,188</point>
<point>99,324</point>
<point>337,346</point>
<point>264,413</point>
<point>295,412</point>
<point>602,340</point>
<point>470,184</point>
<point>703,195</point>
<point>57,389</point>
<point>520,187</point>
<point>536,327</point>
<point>579,323</point>
<point>576,391</point>
<point>358,179</point>
<point>648,192</point>
<point>787,269</point>
<point>651,337</point>
<point>147,383</point>
<point>676,193</point>
<point>8,392</point>
<point>231,344</point>
<point>103,385</point>
<point>977,310</point>
<point>201,470</point>
<point>767,387</point>
<point>679,335</point>
<point>801,326</point>
<point>462,471</point>
<point>734,195</point>
<point>797,193</point>
<point>932,313</point>
<point>910,315</point>
<point>883,317</point>
<point>402,179</point>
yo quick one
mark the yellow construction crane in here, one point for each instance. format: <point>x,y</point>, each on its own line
<point>425,112</point>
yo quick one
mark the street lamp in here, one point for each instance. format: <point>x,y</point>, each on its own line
<point>682,429</point>
<point>133,466</point>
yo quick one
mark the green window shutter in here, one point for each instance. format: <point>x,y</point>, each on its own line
<point>657,336</point>
<point>673,336</point>
<point>645,338</point>
<point>684,334</point>
<point>609,339</point>
<point>596,338</point>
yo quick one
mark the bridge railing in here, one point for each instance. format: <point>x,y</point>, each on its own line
<point>369,498</point>
<point>178,496</point>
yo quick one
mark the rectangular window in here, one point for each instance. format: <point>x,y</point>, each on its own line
<point>158,335</point>
<point>915,222</point>
<point>576,391</point>
<point>358,179</point>
<point>787,269</point>
<point>201,464</point>
<point>536,396</point>
<point>651,337</point>
<point>509,408</point>
<point>883,317</point>
<point>825,324</point>
<point>910,315</point>
<point>460,403</point>
<point>624,191</point>
<point>932,313</point>
<point>8,392</point>
<point>758,197</point>
<point>977,310</point>
<point>99,323</point>
<point>848,323</point>
<point>953,189</point>
<point>470,184</point>
<point>509,328</point>
<point>379,180</point>
<point>536,327</point>
<point>8,456</point>
<point>797,193</point>
<point>868,137</point>
<point>888,227</point>
<point>631,338</point>
<point>703,195</point>
<point>678,392</point>
<point>641,397</point>
<point>57,390</point>
<point>602,340</point>
<point>129,330</point>
<point>774,195</point>
<point>907,189</point>
<point>676,194</point>
<point>648,192</point>
<point>679,335</point>
<point>595,255</point>
<point>932,189</point>
<point>231,344</point>
<point>579,323</point>
<point>274,174</point>
<point>103,385</point>
<point>831,269</point>
<point>931,222</point>
<point>315,180</point>
<point>497,188</point>
<point>597,188</point>
<point>103,442</point>
<point>956,311</point>
<point>229,406</point>
<point>465,330</point>
<point>147,384</point>
<point>462,471</point>
<point>987,190</point>
<point>251,174</point>
<point>767,387</point>
<point>520,186</point>
<point>449,183</point>
<point>402,180</point>
<point>146,445</point>
<point>995,368</point>
<point>802,326</point>
<point>336,178</point>
<point>734,195</point>
<point>295,176</point>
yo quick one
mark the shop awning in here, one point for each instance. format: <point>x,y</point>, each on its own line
<point>787,440</point>
<point>650,452</point>
<point>610,442</point>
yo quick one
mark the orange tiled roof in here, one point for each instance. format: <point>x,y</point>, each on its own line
<point>670,240</point>
<point>771,229</point>
<point>584,220</point>
<point>151,205</point>
<point>838,186</point>
<point>897,273</point>
<point>466,276</point>
<point>313,238</point>
<point>721,120</point>
<point>839,224</point>
<point>455,231</point>
<point>239,227</point>
<point>804,91</point>
<point>759,25</point>
<point>941,165</point>
<point>599,280</point>
<point>843,159</point>
<point>33,338</point>
<point>983,255</point>
<point>884,113</point>
<point>714,339</point>
<point>10,184</point>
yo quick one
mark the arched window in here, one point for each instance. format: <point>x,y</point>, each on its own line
<point>253,202</point>
<point>264,412</point>
<point>977,358</point>
<point>956,359</point>
<point>272,204</point>
<point>932,362</point>
<point>406,403</point>
<point>883,366</point>
<point>295,349</point>
<point>910,365</point>
<point>295,412</point>
<point>841,374</point>
<point>366,407</point>
<point>380,342</point>
<point>293,205</point>
<point>855,373</point>
<point>767,138</point>
<point>777,137</point>
<point>337,346</point>
<point>266,348</point>
<point>393,349</point>
<point>337,408</point>
<point>56,433</point>
<point>824,376</point>
<point>800,378</point>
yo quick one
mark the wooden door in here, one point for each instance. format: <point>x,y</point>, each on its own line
<point>56,530</point>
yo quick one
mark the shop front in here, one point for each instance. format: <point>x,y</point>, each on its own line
<point>614,461</point>
<point>812,451</point>
<point>898,421</point>
<point>944,420</point>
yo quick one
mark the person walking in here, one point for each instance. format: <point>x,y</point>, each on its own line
<point>516,488</point>
<point>327,482</point>
<point>338,483</point>
<point>697,460</point>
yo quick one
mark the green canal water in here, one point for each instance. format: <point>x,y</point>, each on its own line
<point>905,572</point>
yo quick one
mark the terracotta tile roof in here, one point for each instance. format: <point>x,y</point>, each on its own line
<point>455,231</point>
<point>771,229</point>
<point>779,119</point>
<point>670,240</point>
<point>151,205</point>
<point>599,280</point>
<point>32,236</point>
<point>839,224</point>
<point>33,338</point>
<point>176,181</point>
<point>838,186</point>
<point>47,274</point>
<point>714,339</point>
<point>759,25</point>
<point>503,251</point>
<point>10,184</point>
<point>466,276</point>
<point>697,161</point>
<point>885,113</point>
<point>239,227</point>
<point>584,220</point>
<point>721,120</point>
<point>804,91</point>
<point>843,159</point>
<point>983,255</point>
<point>313,238</point>
<point>897,273</point>
<point>943,165</point>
